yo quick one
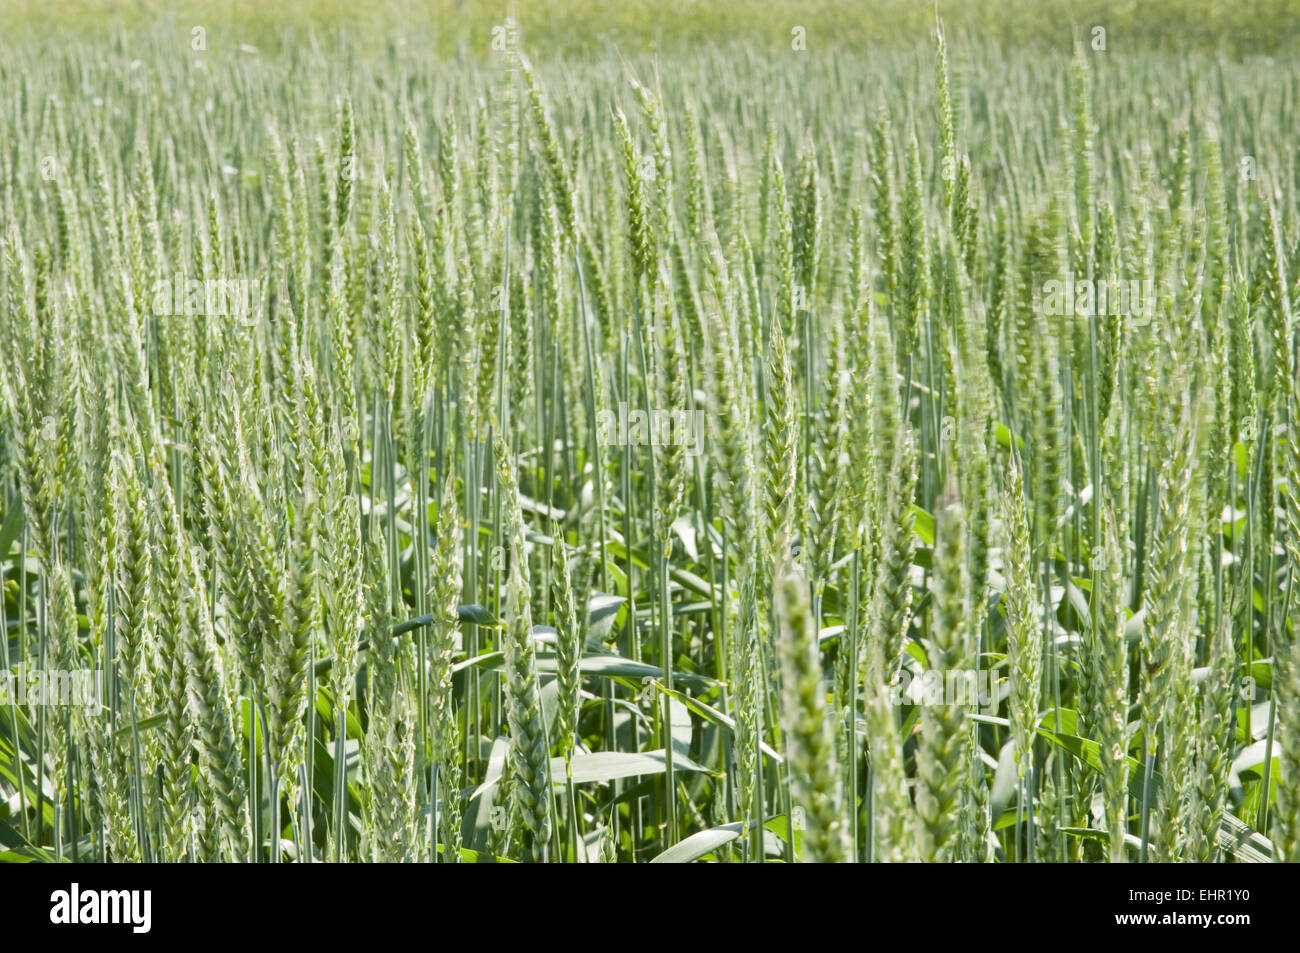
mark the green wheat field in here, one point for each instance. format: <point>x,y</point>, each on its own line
<point>764,432</point>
